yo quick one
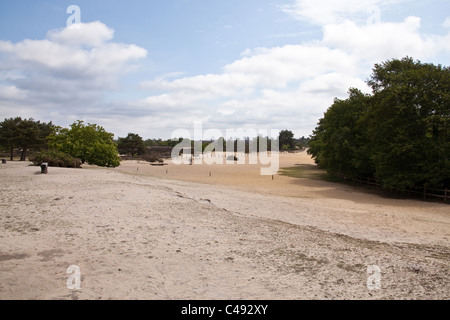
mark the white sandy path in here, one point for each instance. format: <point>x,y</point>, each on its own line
<point>137,237</point>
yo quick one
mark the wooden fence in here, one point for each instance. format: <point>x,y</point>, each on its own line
<point>425,193</point>
<point>429,192</point>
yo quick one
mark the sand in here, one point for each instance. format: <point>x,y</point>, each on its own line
<point>213,232</point>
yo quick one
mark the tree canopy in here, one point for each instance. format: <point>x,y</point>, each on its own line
<point>90,143</point>
<point>132,144</point>
<point>399,134</point>
<point>286,139</point>
<point>25,134</point>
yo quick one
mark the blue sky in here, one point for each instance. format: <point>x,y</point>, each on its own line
<point>152,67</point>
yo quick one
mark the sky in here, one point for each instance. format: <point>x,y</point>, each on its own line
<point>157,67</point>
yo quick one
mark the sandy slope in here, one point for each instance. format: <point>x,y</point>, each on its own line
<point>137,234</point>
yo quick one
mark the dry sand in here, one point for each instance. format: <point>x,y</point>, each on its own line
<point>176,232</point>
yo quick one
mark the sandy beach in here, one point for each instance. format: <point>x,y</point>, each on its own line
<point>213,232</point>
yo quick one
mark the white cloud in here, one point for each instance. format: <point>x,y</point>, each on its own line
<point>291,86</point>
<point>284,87</point>
<point>66,72</point>
<point>274,68</point>
<point>83,52</point>
<point>324,12</point>
<point>12,93</point>
<point>265,88</point>
<point>332,84</point>
<point>209,85</point>
<point>91,34</point>
<point>382,41</point>
<point>280,65</point>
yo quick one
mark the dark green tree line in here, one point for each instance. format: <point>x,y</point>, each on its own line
<point>132,144</point>
<point>286,140</point>
<point>25,134</point>
<point>400,134</point>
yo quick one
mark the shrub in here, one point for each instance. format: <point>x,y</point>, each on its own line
<point>153,159</point>
<point>90,143</point>
<point>56,159</point>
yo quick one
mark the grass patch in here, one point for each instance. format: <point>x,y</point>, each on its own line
<point>311,171</point>
<point>308,171</point>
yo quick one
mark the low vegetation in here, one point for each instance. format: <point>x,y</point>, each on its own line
<point>309,171</point>
<point>56,159</point>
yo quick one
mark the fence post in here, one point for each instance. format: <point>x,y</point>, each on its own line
<point>44,167</point>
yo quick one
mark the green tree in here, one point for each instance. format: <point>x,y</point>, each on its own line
<point>304,142</point>
<point>400,134</point>
<point>9,132</point>
<point>25,134</point>
<point>132,144</point>
<point>33,135</point>
<point>150,142</point>
<point>90,143</point>
<point>286,138</point>
<point>338,143</point>
<point>173,142</point>
<point>410,124</point>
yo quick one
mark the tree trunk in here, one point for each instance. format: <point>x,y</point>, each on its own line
<point>11,157</point>
<point>24,154</point>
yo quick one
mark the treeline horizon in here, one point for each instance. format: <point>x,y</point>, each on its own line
<point>93,144</point>
<point>285,139</point>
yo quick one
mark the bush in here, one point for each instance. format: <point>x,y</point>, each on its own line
<point>90,143</point>
<point>56,159</point>
<point>153,159</point>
